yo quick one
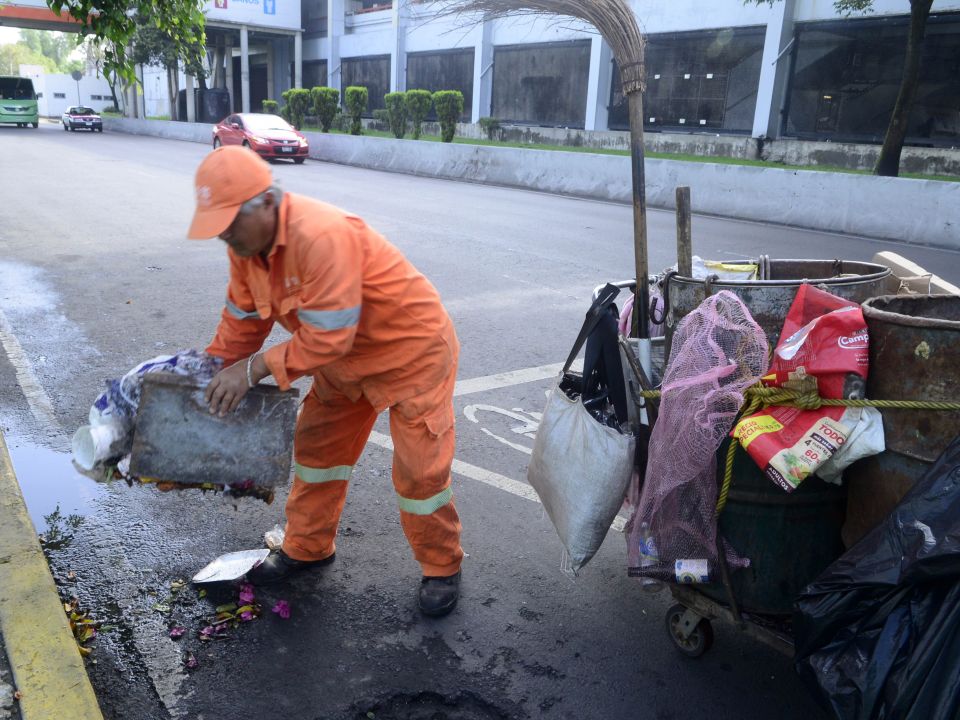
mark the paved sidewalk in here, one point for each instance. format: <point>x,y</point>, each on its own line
<point>38,655</point>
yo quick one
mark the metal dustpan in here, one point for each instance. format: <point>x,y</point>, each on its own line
<point>177,440</point>
<point>231,566</point>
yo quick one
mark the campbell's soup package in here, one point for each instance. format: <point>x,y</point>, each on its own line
<point>824,345</point>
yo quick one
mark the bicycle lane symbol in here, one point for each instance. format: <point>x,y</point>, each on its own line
<point>529,422</point>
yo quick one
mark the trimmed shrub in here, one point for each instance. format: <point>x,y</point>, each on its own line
<point>418,104</point>
<point>355,98</point>
<point>326,104</point>
<point>298,103</point>
<point>381,116</point>
<point>271,107</point>
<point>491,126</point>
<point>397,112</point>
<point>449,105</point>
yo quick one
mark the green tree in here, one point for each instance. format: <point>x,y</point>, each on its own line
<point>298,104</point>
<point>355,98</point>
<point>271,107</point>
<point>55,45</point>
<point>114,22</point>
<point>418,103</point>
<point>326,101</point>
<point>888,163</point>
<point>397,112</point>
<point>153,43</point>
<point>13,55</point>
<point>449,105</point>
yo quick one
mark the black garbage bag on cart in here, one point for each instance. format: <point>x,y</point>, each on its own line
<point>878,633</point>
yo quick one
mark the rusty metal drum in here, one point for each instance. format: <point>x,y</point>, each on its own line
<point>769,300</point>
<point>914,341</point>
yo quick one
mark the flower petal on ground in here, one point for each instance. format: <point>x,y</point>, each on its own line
<point>282,608</point>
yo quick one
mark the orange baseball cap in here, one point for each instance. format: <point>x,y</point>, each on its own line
<point>227,178</point>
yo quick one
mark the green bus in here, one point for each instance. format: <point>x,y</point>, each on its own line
<point>18,102</point>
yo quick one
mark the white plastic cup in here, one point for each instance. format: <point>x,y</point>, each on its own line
<point>91,444</point>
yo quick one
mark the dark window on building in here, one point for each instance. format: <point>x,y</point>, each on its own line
<point>60,96</point>
<point>846,76</point>
<point>373,73</point>
<point>313,17</point>
<point>96,97</point>
<point>314,74</point>
<point>697,81</point>
<point>543,84</point>
<point>448,70</point>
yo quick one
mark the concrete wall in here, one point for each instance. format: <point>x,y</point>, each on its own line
<point>191,132</point>
<point>921,160</point>
<point>915,211</point>
<point>802,153</point>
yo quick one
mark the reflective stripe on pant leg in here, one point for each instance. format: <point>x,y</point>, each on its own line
<point>321,475</point>
<point>422,456</point>
<point>331,434</point>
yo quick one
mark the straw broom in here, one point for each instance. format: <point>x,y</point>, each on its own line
<point>617,24</point>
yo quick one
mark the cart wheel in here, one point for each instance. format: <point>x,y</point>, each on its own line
<point>697,642</point>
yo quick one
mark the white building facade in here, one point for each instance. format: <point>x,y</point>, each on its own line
<point>56,91</point>
<point>795,68</point>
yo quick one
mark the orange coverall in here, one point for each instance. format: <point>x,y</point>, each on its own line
<point>373,334</point>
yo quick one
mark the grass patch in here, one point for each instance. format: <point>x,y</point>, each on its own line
<point>659,156</point>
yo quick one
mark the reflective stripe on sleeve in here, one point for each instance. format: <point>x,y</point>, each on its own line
<point>241,314</point>
<point>428,506</point>
<point>322,475</point>
<point>330,319</point>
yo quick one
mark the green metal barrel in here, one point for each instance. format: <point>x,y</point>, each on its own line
<point>789,538</point>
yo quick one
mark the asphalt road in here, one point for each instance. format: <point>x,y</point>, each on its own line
<point>96,276</point>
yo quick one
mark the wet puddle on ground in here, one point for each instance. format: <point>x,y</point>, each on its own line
<point>51,485</point>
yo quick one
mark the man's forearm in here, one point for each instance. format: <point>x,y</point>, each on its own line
<point>259,369</point>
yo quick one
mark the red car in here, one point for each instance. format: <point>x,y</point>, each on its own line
<point>270,136</point>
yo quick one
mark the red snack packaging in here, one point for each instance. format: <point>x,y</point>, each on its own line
<point>824,345</point>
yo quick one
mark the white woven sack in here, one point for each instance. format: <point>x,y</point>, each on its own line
<point>580,469</point>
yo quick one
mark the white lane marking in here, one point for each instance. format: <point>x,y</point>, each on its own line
<point>37,398</point>
<point>530,420</point>
<point>506,379</point>
<point>488,477</point>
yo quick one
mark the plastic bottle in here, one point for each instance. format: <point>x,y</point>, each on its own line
<point>648,558</point>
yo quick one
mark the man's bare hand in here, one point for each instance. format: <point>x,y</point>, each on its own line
<point>227,389</point>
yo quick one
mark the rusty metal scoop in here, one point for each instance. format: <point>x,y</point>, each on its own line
<point>177,440</point>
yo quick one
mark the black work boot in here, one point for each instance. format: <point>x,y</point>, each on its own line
<point>278,566</point>
<point>438,595</point>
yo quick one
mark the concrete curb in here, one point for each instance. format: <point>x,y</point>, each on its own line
<point>47,668</point>
<point>919,212</point>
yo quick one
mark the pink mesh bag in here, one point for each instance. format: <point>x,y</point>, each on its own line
<point>718,351</point>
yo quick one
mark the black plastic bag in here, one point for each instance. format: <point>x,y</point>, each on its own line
<point>878,633</point>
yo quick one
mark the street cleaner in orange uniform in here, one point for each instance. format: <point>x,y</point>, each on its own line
<point>371,332</point>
